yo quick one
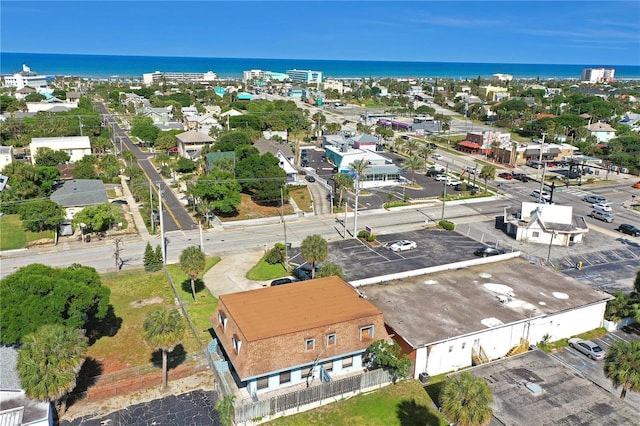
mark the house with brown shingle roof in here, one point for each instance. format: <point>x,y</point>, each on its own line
<point>282,151</point>
<point>191,143</point>
<point>602,131</point>
<point>281,336</point>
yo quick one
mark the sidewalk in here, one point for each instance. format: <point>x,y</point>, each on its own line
<point>143,232</point>
<point>229,275</point>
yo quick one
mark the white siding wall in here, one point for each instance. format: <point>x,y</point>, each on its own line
<point>454,354</point>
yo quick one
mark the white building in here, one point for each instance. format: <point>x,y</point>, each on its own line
<point>501,78</point>
<point>380,170</point>
<point>6,156</point>
<point>178,77</point>
<point>548,224</point>
<point>467,313</point>
<point>601,131</point>
<point>76,146</point>
<point>598,75</point>
<point>25,78</point>
<point>260,75</point>
<point>305,76</point>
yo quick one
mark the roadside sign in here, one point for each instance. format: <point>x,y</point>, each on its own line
<point>368,229</point>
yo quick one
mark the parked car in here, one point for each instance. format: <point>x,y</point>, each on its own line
<point>637,184</point>
<point>310,178</point>
<point>521,177</point>
<point>587,347</point>
<point>453,181</point>
<point>121,202</point>
<point>627,228</point>
<point>545,195</point>
<point>600,215</point>
<point>471,169</point>
<point>441,177</point>
<point>281,281</point>
<point>506,175</point>
<point>403,245</point>
<point>488,251</point>
<point>594,199</point>
<point>603,207</point>
<point>436,157</point>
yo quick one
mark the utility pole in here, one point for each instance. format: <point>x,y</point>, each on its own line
<point>163,242</point>
<point>201,237</point>
<point>116,252</point>
<point>355,208</point>
<point>540,158</point>
<point>153,221</point>
<point>284,226</point>
<point>544,169</point>
<point>444,194</point>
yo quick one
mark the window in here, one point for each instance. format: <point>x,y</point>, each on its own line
<point>366,333</point>
<point>285,377</point>
<point>464,344</point>
<point>328,365</point>
<point>262,383</point>
<point>535,234</point>
<point>347,361</point>
<point>306,372</point>
<point>331,339</point>
<point>309,344</point>
<point>222,320</point>
<point>450,348</point>
<point>236,343</point>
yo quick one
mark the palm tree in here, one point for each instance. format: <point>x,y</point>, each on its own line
<point>225,408</point>
<point>622,366</point>
<point>413,163</point>
<point>410,146</point>
<point>466,400</point>
<point>329,270</point>
<point>314,249</point>
<point>192,263</point>
<point>49,361</point>
<point>163,329</point>
<point>343,181</point>
<point>319,119</point>
<point>425,151</point>
<point>359,167</point>
<point>487,172</point>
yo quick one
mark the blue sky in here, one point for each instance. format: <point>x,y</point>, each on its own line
<point>553,32</point>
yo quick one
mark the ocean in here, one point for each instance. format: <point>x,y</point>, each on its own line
<point>132,67</point>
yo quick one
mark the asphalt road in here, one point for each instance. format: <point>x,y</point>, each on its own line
<point>175,215</point>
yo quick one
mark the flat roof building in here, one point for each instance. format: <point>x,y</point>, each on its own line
<point>305,76</point>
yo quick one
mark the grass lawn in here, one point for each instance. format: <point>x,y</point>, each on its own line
<point>302,198</point>
<point>405,403</point>
<point>250,210</point>
<point>12,236</point>
<point>133,295</point>
<point>205,305</point>
<point>263,271</point>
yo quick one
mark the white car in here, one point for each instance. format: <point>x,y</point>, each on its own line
<point>441,177</point>
<point>603,207</point>
<point>545,195</point>
<point>403,245</point>
<point>436,157</point>
<point>453,181</point>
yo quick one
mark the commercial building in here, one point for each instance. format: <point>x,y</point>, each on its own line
<point>178,77</point>
<point>305,76</point>
<point>319,331</point>
<point>598,75</point>
<point>514,154</point>
<point>76,146</point>
<point>263,76</point>
<point>25,78</point>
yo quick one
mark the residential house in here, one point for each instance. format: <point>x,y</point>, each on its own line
<point>161,115</point>
<point>269,134</point>
<point>282,151</point>
<point>76,146</point>
<point>631,119</point>
<point>601,131</point>
<point>20,94</point>
<point>548,224</point>
<point>76,194</point>
<point>190,143</point>
<point>201,122</point>
<point>280,336</point>
<point>52,104</point>
<point>6,156</point>
<point>489,92</point>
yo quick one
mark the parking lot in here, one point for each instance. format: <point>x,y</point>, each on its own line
<point>593,370</point>
<point>359,260</point>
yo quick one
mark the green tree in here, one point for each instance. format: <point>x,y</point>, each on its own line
<point>329,270</point>
<point>276,255</point>
<point>622,366</point>
<point>49,361</point>
<point>143,128</point>
<point>164,329</point>
<point>159,256</point>
<point>40,215</point>
<point>48,157</point>
<point>487,172</point>
<point>343,181</point>
<point>192,262</point>
<point>359,167</point>
<point>34,97</point>
<point>166,140</point>
<point>413,163</point>
<point>388,355</point>
<point>96,218</point>
<point>314,249</point>
<point>466,400</point>
<point>225,409</point>
<point>150,260</point>
<point>319,120</point>
<point>37,294</point>
<point>217,191</point>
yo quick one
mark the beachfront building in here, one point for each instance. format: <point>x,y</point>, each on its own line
<point>319,331</point>
<point>305,76</point>
<point>263,76</point>
<point>27,78</point>
<point>76,146</point>
<point>501,78</point>
<point>178,77</point>
<point>598,75</point>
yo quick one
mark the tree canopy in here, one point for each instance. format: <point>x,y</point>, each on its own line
<point>192,263</point>
<point>314,249</point>
<point>40,215</point>
<point>622,366</point>
<point>466,400</point>
<point>38,294</point>
<point>96,218</point>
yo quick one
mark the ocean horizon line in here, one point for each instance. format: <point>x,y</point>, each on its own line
<point>134,66</point>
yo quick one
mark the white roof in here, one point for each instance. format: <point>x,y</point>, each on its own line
<point>65,142</point>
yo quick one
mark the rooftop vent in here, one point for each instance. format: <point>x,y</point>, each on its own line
<point>534,388</point>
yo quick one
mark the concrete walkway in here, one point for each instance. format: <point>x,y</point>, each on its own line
<point>229,275</point>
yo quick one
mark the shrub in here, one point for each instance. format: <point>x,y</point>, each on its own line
<point>367,236</point>
<point>445,224</point>
<point>276,254</point>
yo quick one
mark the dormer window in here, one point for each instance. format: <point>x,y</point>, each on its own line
<point>222,320</point>
<point>237,343</point>
<point>331,340</point>
<point>309,344</point>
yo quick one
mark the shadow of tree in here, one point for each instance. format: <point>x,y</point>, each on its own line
<point>174,358</point>
<point>87,377</point>
<point>105,327</point>
<point>410,413</point>
<point>186,285</point>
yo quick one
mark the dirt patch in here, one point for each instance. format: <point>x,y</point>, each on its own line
<point>250,210</point>
<point>41,243</point>
<point>146,302</point>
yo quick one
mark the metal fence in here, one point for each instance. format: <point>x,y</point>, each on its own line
<point>247,411</point>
